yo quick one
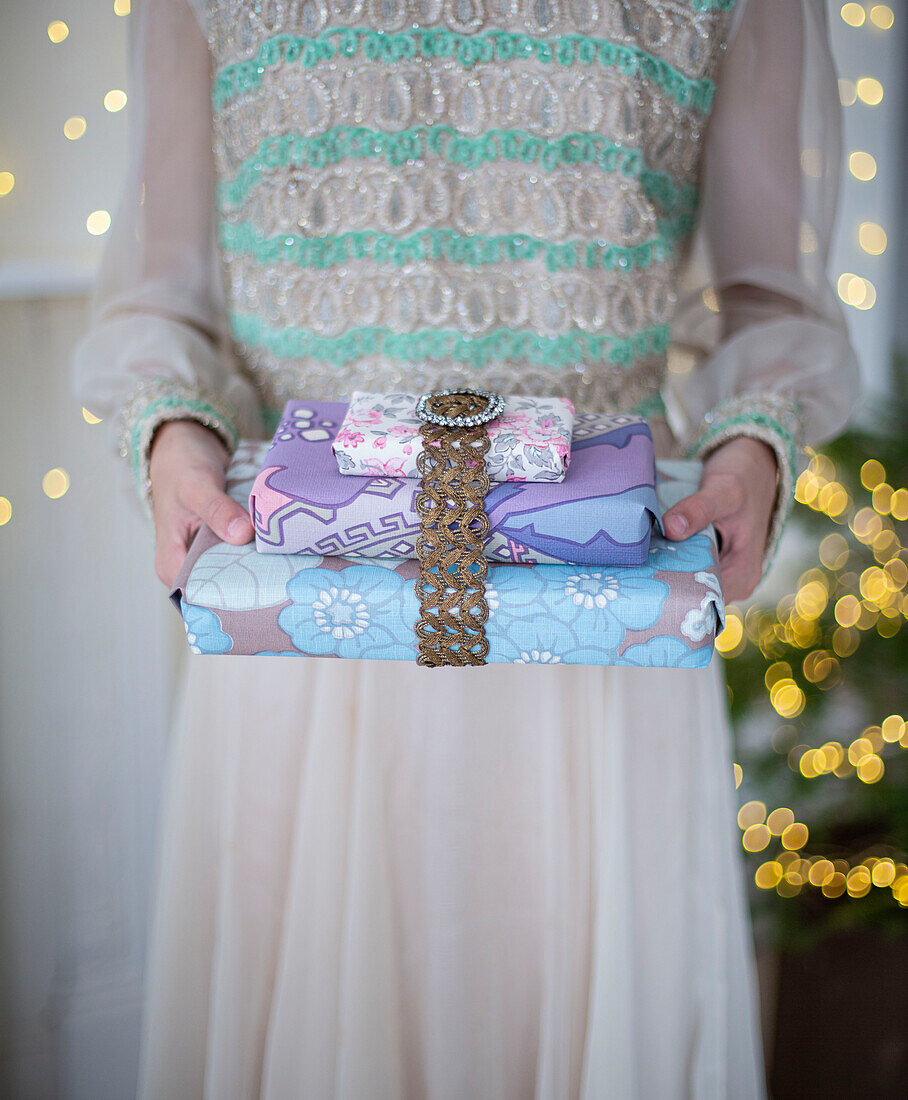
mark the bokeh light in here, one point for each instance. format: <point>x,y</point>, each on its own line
<point>808,241</point>
<point>115,100</point>
<point>7,183</point>
<point>870,91</point>
<point>97,222</point>
<point>57,31</point>
<point>898,506</point>
<point>768,875</point>
<point>820,872</point>
<point>779,820</point>
<point>848,92</point>
<point>872,238</point>
<point>853,14</point>
<point>6,511</point>
<point>89,417</point>
<point>834,887</point>
<point>882,17</point>
<point>862,165</point>
<point>731,639</point>
<point>856,291</point>
<point>870,769</point>
<point>872,473</point>
<point>834,551</point>
<point>858,882</point>
<point>55,483</point>
<point>74,127</point>
<point>883,872</point>
<point>795,836</point>
<point>756,838</point>
<point>892,728</point>
<point>751,813</point>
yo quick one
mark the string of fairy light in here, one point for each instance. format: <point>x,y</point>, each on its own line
<point>55,483</point>
<point>881,604</point>
<point>874,600</point>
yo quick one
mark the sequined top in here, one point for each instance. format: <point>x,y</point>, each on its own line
<point>421,193</point>
<point>434,193</point>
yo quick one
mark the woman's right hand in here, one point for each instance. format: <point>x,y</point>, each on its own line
<point>187,467</point>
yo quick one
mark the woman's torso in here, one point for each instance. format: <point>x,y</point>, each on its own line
<point>422,192</point>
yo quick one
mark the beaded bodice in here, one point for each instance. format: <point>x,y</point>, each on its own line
<point>419,192</point>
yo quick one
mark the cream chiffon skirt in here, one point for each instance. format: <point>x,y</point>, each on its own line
<point>382,882</point>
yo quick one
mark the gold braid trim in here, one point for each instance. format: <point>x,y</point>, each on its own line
<point>453,531</point>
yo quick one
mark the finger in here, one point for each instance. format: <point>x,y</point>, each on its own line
<point>734,535</point>
<point>690,515</point>
<point>174,531</point>
<point>168,558</point>
<point>229,520</point>
<point>718,497</point>
<point>740,574</point>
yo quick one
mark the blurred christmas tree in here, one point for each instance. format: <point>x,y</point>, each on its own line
<point>826,671</point>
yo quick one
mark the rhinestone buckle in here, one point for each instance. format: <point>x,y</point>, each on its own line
<point>494,406</point>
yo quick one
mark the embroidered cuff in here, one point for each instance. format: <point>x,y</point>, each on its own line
<point>776,421</point>
<point>157,400</point>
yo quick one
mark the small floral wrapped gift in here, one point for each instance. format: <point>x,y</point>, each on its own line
<point>529,441</point>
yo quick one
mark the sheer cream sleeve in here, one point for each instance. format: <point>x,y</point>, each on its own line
<point>760,329</point>
<point>157,347</point>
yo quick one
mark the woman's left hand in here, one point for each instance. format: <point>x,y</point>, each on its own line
<point>736,496</point>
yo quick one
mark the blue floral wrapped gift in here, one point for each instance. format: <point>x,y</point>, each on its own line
<point>665,613</point>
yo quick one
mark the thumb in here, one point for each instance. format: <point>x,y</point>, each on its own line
<point>229,520</point>
<point>690,515</point>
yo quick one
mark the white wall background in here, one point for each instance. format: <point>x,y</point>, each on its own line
<point>44,245</point>
<point>89,646</point>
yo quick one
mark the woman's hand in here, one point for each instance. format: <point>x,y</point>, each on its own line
<point>187,468</point>
<point>736,495</point>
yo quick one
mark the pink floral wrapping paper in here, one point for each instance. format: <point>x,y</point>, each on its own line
<point>530,441</point>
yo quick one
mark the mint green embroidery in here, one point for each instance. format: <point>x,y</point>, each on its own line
<point>760,420</point>
<point>341,142</point>
<point>196,409</point>
<point>782,439</point>
<point>712,5</point>
<point>478,351</point>
<point>446,244</point>
<point>464,49</point>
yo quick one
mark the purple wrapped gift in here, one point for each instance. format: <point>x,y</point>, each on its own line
<point>602,513</point>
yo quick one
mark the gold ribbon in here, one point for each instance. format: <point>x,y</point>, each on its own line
<point>453,528</point>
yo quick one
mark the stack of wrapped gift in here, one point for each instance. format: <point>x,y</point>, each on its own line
<point>579,571</point>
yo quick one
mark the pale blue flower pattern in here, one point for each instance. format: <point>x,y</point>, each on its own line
<point>665,651</point>
<point>688,556</point>
<point>359,611</point>
<point>538,639</point>
<point>203,630</point>
<point>599,606</point>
